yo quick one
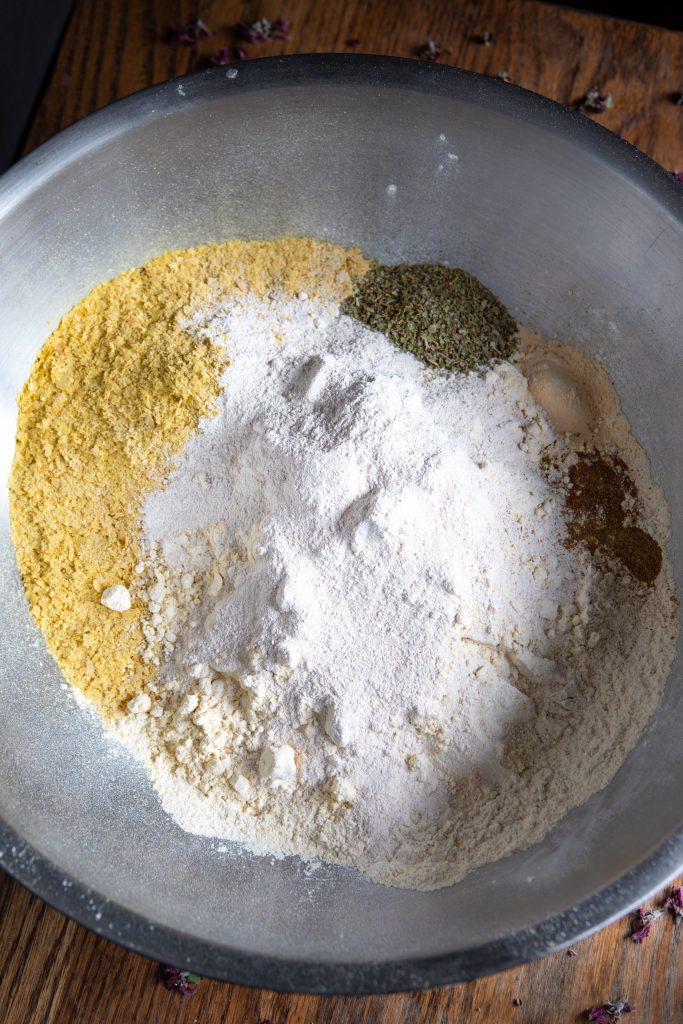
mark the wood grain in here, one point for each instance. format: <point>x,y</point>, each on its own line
<point>52,971</point>
<point>113,47</point>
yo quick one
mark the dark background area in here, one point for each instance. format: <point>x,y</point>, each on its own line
<point>669,14</point>
<point>30,31</point>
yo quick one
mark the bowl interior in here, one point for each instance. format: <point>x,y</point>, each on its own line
<point>579,235</point>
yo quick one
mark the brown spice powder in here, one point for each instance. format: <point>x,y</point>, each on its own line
<point>599,487</point>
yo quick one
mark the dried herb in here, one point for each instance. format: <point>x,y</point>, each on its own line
<point>599,487</point>
<point>486,38</point>
<point>430,51</point>
<point>642,923</point>
<point>184,981</point>
<point>444,317</point>
<point>190,33</point>
<point>594,102</point>
<point>609,1012</point>
<point>675,902</point>
<point>262,30</point>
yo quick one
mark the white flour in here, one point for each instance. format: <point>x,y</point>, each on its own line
<point>374,647</point>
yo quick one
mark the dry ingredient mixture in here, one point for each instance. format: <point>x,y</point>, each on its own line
<point>357,579</point>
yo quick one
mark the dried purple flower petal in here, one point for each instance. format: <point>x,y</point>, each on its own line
<point>675,901</point>
<point>253,32</point>
<point>353,42</point>
<point>594,102</point>
<point>184,981</point>
<point>221,58</point>
<point>678,175</point>
<point>640,934</point>
<point>503,76</point>
<point>642,923</point>
<point>430,51</point>
<point>190,33</point>
<point>227,56</point>
<point>170,976</point>
<point>609,1012</point>
<point>280,29</point>
<point>486,38</point>
<point>261,30</point>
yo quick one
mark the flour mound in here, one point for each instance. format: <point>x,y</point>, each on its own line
<point>373,644</point>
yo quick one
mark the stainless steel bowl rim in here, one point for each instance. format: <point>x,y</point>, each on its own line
<point>77,901</point>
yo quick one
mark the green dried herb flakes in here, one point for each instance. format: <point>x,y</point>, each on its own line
<point>444,317</point>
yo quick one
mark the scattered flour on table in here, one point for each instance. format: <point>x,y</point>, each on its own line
<point>373,646</point>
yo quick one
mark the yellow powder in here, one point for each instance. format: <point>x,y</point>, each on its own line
<point>113,396</point>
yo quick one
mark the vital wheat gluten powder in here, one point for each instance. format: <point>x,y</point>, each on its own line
<point>365,606</point>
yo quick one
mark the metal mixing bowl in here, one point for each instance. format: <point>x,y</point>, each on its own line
<point>581,236</point>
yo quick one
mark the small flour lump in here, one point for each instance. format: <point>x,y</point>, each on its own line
<point>373,645</point>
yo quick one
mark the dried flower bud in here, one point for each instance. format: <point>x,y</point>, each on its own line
<point>430,51</point>
<point>674,902</point>
<point>262,30</point>
<point>609,1012</point>
<point>594,102</point>
<point>184,981</point>
<point>642,923</point>
<point>190,33</point>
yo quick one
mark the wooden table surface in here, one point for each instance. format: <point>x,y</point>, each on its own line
<point>52,970</point>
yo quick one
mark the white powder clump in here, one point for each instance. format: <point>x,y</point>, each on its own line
<point>374,647</point>
<point>116,598</point>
